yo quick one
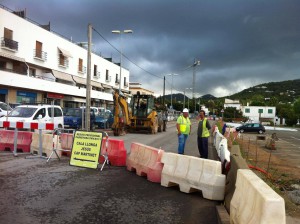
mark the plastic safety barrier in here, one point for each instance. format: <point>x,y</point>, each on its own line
<point>47,146</point>
<point>66,142</point>
<point>115,151</point>
<point>255,202</point>
<point>24,140</point>
<point>146,161</point>
<point>27,125</point>
<point>221,145</point>
<point>192,173</point>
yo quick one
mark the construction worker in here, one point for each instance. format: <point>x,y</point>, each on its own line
<point>202,135</point>
<point>183,129</point>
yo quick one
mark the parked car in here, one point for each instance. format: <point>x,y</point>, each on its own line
<point>251,127</point>
<point>104,120</point>
<point>35,113</point>
<point>73,118</point>
<point>4,109</point>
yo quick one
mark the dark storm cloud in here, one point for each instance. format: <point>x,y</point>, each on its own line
<point>240,43</point>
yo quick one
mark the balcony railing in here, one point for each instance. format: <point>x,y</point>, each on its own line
<point>13,71</point>
<point>40,55</point>
<point>63,62</point>
<point>82,69</point>
<point>107,78</point>
<point>97,75</point>
<point>8,43</point>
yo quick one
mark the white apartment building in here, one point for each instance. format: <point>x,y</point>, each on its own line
<point>38,65</point>
<point>134,87</point>
<point>232,103</point>
<point>259,113</point>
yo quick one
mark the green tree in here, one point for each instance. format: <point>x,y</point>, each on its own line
<point>287,111</point>
<point>257,100</point>
<point>273,101</point>
<point>297,107</point>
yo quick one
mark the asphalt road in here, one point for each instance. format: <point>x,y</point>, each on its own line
<point>33,191</point>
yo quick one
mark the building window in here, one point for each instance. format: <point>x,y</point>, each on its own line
<point>117,78</point>
<point>95,70</point>
<point>63,60</point>
<point>38,49</point>
<point>270,111</point>
<point>38,52</point>
<point>32,72</point>
<point>80,65</point>
<point>260,111</point>
<point>26,97</point>
<point>107,75</point>
<point>247,110</point>
<point>7,41</point>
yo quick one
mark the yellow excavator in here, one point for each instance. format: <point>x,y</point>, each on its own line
<point>138,116</point>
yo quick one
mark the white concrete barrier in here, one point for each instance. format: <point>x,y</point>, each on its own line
<point>221,145</point>
<point>192,173</point>
<point>48,142</point>
<point>255,202</point>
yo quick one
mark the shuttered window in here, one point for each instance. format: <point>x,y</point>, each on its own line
<point>8,34</point>
<point>38,49</point>
<point>80,65</point>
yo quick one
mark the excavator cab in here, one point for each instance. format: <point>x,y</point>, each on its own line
<point>142,105</point>
<point>144,115</point>
<point>140,115</point>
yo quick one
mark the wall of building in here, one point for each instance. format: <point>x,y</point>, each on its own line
<point>267,112</point>
<point>26,34</point>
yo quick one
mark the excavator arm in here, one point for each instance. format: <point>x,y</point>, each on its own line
<point>121,114</point>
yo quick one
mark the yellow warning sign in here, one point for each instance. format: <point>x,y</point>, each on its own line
<point>86,149</point>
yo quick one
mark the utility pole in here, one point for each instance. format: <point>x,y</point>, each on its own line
<point>88,81</point>
<point>164,91</point>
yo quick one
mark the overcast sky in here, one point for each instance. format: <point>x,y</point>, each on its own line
<point>240,43</point>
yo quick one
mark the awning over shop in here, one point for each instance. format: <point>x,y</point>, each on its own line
<point>62,75</point>
<point>10,56</point>
<point>79,80</point>
<point>96,84</point>
<point>65,52</point>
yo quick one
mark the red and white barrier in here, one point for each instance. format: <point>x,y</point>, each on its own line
<point>146,161</point>
<point>27,125</point>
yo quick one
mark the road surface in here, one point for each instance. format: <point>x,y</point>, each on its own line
<point>33,191</point>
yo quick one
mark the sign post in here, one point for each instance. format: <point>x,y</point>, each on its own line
<point>86,149</point>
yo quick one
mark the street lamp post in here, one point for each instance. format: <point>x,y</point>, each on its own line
<point>184,97</point>
<point>196,63</point>
<point>121,54</point>
<point>171,90</point>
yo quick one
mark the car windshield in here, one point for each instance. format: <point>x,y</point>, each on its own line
<point>72,112</point>
<point>22,112</point>
<point>4,106</point>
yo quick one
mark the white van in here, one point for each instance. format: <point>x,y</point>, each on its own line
<point>4,109</point>
<point>42,113</point>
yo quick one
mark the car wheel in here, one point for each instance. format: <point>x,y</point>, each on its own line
<point>260,131</point>
<point>242,131</point>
